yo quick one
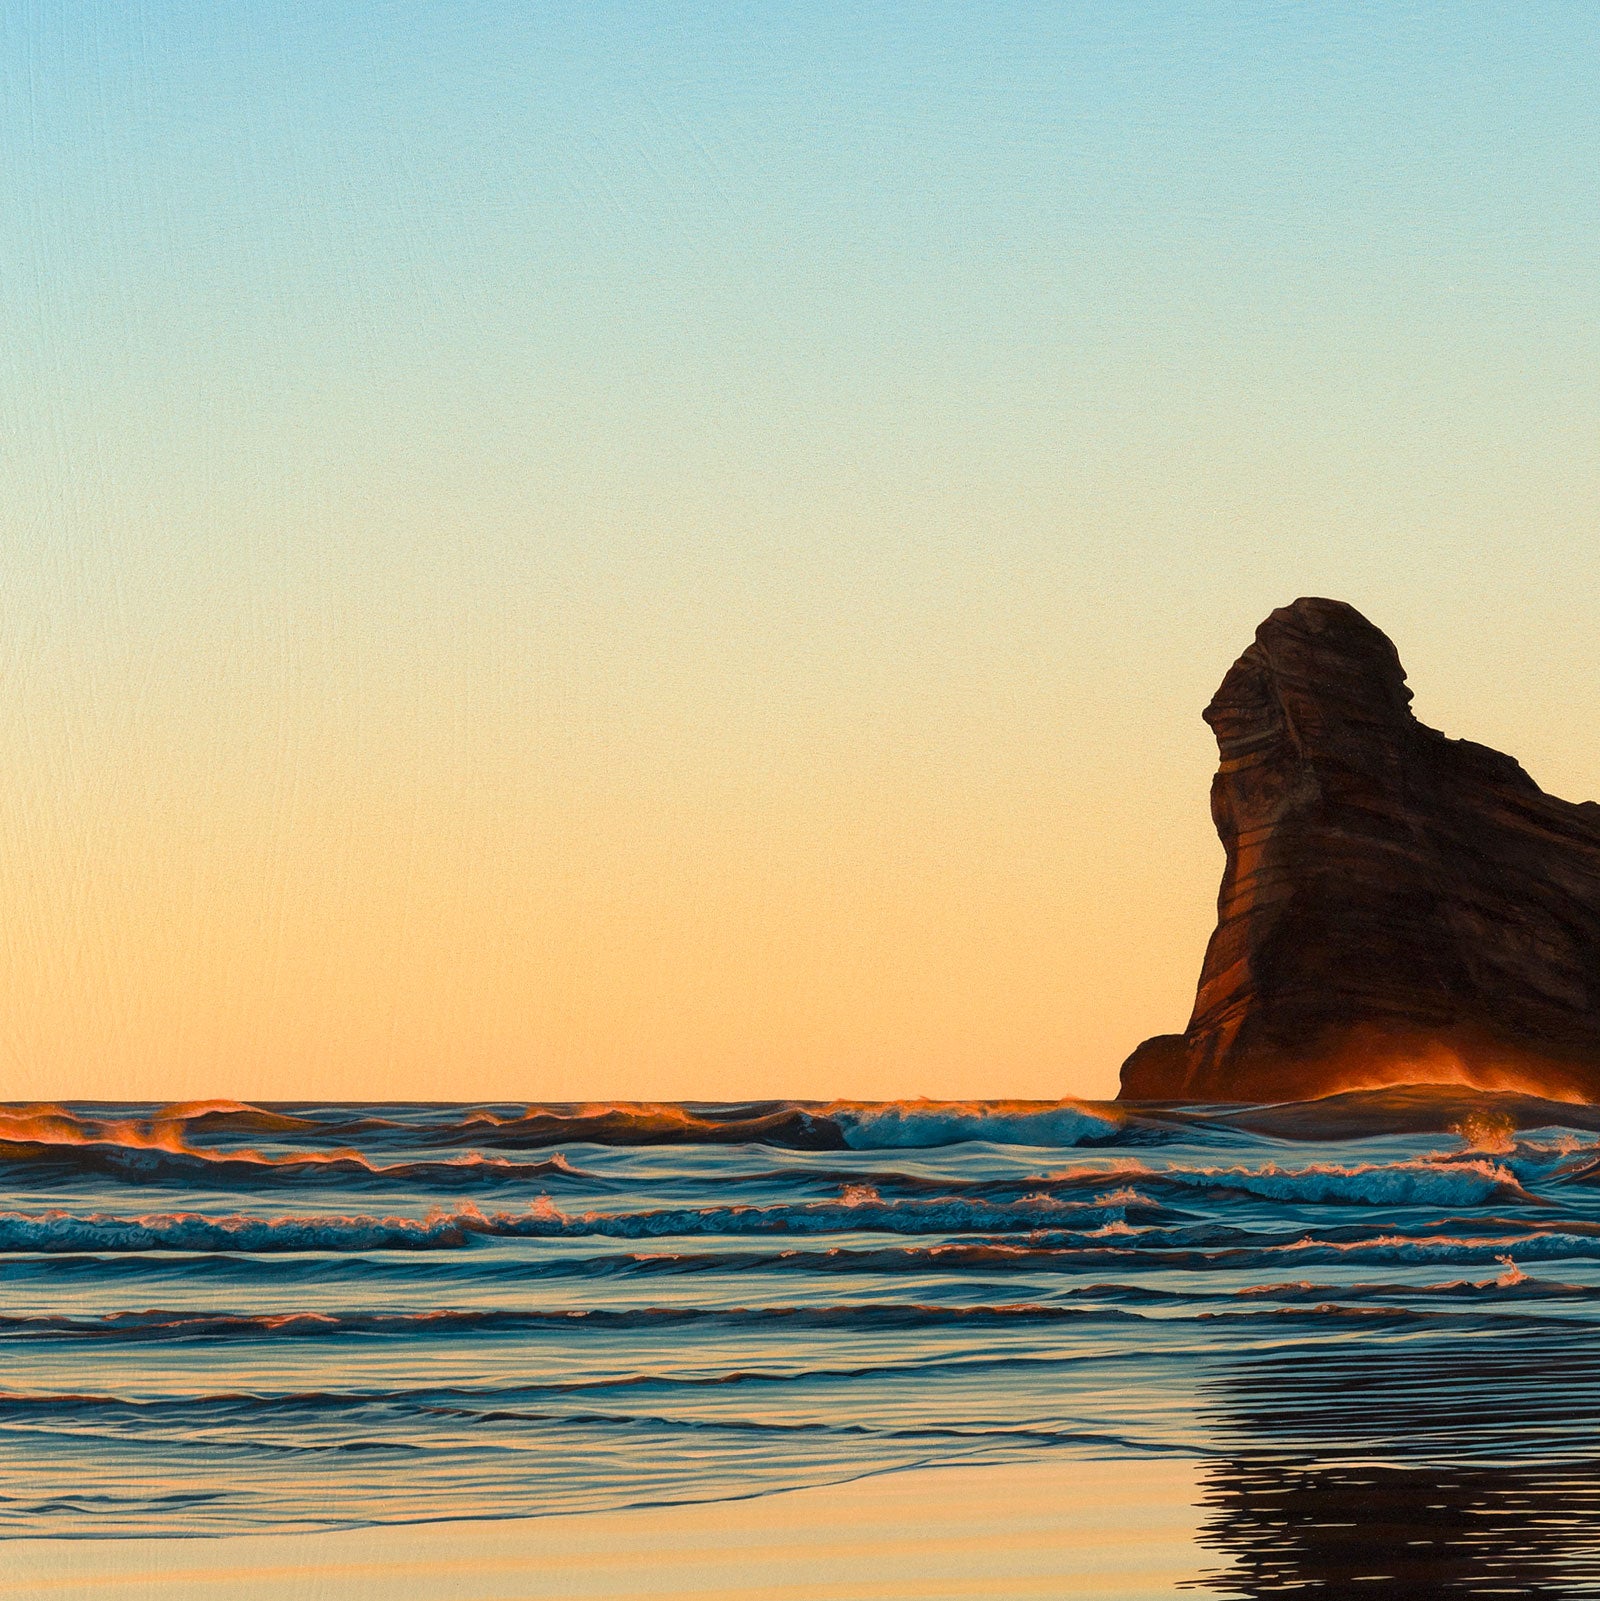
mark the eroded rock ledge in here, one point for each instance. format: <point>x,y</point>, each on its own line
<point>1397,906</point>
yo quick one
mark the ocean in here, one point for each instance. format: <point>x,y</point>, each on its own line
<point>1373,1320</point>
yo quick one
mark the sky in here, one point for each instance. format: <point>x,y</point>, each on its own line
<point>630,550</point>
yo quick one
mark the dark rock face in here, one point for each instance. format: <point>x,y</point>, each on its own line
<point>1397,906</point>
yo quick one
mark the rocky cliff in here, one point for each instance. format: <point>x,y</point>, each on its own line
<point>1397,906</point>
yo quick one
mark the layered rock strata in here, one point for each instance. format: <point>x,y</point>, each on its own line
<point>1397,906</point>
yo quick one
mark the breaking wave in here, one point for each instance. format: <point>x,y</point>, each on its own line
<point>442,1230</point>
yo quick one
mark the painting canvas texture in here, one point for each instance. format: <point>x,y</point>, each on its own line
<point>797,802</point>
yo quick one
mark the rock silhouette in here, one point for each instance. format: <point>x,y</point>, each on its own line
<point>1397,906</point>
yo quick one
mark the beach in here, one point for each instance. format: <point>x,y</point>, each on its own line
<point>1088,1529</point>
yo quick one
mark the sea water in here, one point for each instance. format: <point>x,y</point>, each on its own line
<point>1375,1319</point>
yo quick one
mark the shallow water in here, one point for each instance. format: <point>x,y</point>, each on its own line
<point>1372,1319</point>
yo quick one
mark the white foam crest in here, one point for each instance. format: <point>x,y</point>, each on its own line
<point>1439,1250</point>
<point>1418,1182</point>
<point>1415,1181</point>
<point>898,1125</point>
<point>58,1231</point>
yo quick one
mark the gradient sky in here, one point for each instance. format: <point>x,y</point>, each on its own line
<point>581,550</point>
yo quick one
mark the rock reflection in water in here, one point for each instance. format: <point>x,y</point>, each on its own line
<point>1420,1469</point>
<point>1344,1529</point>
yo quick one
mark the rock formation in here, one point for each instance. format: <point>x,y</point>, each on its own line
<point>1397,906</point>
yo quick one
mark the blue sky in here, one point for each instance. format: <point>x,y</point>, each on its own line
<point>837,446</point>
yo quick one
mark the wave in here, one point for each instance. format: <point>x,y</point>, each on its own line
<point>799,1125</point>
<point>795,1125</point>
<point>1511,1284</point>
<point>536,1404</point>
<point>1079,1305</point>
<point>78,1271</point>
<point>1477,1116</point>
<point>1482,1118</point>
<point>157,1325</point>
<point>920,1124</point>
<point>1382,1250</point>
<point>1399,1109</point>
<point>440,1230</point>
<point>161,1128</point>
<point>43,1160</point>
<point>1123,1199</point>
<point>1419,1181</point>
<point>1096,1235</point>
<point>1460,1179</point>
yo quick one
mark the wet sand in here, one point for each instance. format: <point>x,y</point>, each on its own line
<point>1089,1530</point>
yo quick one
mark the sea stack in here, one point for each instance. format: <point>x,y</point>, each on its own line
<point>1397,906</point>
